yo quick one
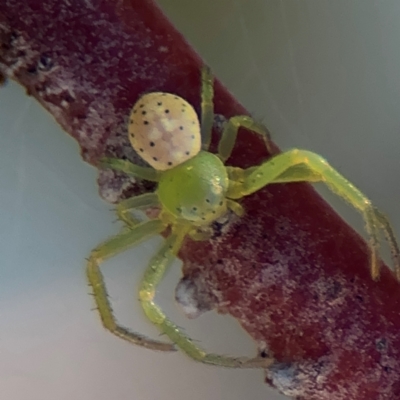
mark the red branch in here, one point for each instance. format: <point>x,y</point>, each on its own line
<point>291,271</point>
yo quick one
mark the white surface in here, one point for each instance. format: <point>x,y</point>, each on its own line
<point>322,75</point>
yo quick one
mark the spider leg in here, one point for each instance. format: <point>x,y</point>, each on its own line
<point>108,249</point>
<point>124,208</point>
<point>207,107</point>
<point>298,173</point>
<point>302,165</point>
<point>147,173</point>
<point>153,276</point>
<point>391,238</point>
<point>230,131</point>
<point>235,207</point>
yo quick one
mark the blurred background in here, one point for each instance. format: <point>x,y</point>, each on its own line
<point>322,75</point>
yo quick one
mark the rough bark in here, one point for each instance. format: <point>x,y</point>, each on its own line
<point>291,271</point>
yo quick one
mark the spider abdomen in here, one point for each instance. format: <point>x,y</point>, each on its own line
<point>164,129</point>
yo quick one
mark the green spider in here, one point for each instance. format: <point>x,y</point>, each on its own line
<point>194,189</point>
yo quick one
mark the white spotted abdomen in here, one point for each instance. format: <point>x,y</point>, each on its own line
<point>164,129</point>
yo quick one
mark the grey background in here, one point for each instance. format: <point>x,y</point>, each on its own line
<point>322,75</point>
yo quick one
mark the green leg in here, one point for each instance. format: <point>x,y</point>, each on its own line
<point>391,238</point>
<point>201,235</point>
<point>125,207</point>
<point>110,248</point>
<point>297,162</point>
<point>235,207</point>
<point>207,107</point>
<point>298,173</point>
<point>230,131</point>
<point>151,280</point>
<point>147,173</point>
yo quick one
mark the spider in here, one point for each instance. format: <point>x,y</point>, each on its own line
<point>195,188</point>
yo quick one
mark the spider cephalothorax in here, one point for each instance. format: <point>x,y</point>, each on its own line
<point>193,193</point>
<point>195,189</point>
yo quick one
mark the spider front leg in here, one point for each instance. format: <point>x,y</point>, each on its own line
<point>153,276</point>
<point>229,134</point>
<point>143,201</point>
<point>108,249</point>
<point>302,165</point>
<point>124,208</point>
<point>147,173</point>
<point>207,107</point>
